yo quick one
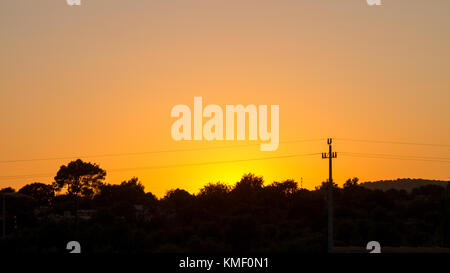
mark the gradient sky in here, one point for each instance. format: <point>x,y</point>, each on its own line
<point>102,78</point>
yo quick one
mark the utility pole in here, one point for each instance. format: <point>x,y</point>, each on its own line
<point>330,155</point>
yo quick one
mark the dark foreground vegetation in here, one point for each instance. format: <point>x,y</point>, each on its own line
<point>248,216</point>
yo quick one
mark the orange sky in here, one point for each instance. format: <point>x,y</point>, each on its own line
<point>102,78</point>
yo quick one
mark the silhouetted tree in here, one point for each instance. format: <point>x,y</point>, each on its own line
<point>213,196</point>
<point>178,198</point>
<point>130,191</point>
<point>80,178</point>
<point>325,185</point>
<point>288,187</point>
<point>216,190</point>
<point>41,192</point>
<point>7,190</point>
<point>351,182</point>
<point>150,198</point>
<point>181,203</point>
<point>248,187</point>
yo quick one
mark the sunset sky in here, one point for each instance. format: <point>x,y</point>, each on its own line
<point>102,78</point>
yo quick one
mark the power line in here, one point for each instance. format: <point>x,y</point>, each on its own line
<point>211,148</point>
<point>147,152</point>
<point>350,154</point>
<point>398,157</point>
<point>394,155</point>
<point>393,142</point>
<point>171,165</point>
<point>211,163</point>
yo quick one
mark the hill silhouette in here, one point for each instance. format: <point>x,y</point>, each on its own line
<point>407,184</point>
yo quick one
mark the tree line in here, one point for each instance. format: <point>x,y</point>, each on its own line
<point>246,217</point>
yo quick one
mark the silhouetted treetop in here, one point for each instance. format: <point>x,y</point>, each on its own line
<point>178,198</point>
<point>288,187</point>
<point>130,191</point>
<point>80,178</point>
<point>214,190</point>
<point>351,182</point>
<point>325,186</point>
<point>41,192</point>
<point>7,190</point>
<point>248,184</point>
